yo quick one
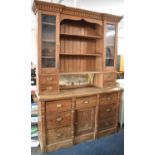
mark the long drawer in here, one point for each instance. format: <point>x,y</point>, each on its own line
<point>107,110</point>
<point>58,134</point>
<point>108,98</point>
<point>84,102</point>
<point>58,119</point>
<point>58,105</point>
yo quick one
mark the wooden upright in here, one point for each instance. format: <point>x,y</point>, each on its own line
<point>78,97</point>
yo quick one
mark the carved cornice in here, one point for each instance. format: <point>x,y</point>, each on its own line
<point>46,6</point>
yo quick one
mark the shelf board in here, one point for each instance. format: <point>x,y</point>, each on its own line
<point>109,58</point>
<point>81,54</point>
<point>48,40</point>
<point>48,57</point>
<point>46,23</point>
<point>91,72</point>
<point>84,36</point>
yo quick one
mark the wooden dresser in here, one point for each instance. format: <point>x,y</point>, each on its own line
<point>78,98</point>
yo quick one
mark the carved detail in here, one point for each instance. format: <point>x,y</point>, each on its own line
<point>46,6</point>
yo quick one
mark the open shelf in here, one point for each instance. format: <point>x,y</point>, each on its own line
<point>81,36</point>
<point>67,73</point>
<point>51,57</point>
<point>80,54</point>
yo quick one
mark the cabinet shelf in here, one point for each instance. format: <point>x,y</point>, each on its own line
<point>46,23</point>
<point>109,58</point>
<point>48,57</point>
<point>80,54</point>
<point>81,36</point>
<point>68,73</point>
<point>48,40</point>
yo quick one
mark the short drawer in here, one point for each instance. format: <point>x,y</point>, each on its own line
<point>108,123</point>
<point>59,134</point>
<point>48,88</point>
<point>88,101</point>
<point>108,77</point>
<point>107,110</point>
<point>60,119</point>
<point>108,98</point>
<point>50,79</point>
<point>59,105</point>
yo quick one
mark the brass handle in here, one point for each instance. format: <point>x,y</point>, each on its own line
<point>58,105</point>
<point>49,78</point>
<point>109,98</point>
<point>86,102</point>
<point>59,135</point>
<point>59,119</point>
<point>107,109</point>
<point>49,88</point>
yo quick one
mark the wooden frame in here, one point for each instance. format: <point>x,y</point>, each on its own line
<point>72,114</point>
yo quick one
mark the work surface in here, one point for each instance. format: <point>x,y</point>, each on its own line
<point>80,92</point>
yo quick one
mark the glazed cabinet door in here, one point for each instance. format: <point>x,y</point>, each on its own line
<point>49,41</point>
<point>84,121</point>
<point>110,31</point>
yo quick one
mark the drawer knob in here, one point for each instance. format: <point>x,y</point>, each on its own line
<point>109,98</point>
<point>49,78</point>
<point>108,110</point>
<point>58,105</point>
<point>86,102</point>
<point>106,123</point>
<point>59,134</point>
<point>49,88</point>
<point>59,119</point>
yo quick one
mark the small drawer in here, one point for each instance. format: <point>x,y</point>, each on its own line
<point>59,134</point>
<point>108,98</point>
<point>108,123</point>
<point>107,110</point>
<point>88,101</point>
<point>52,79</point>
<point>59,119</point>
<point>59,105</point>
<point>109,77</point>
<point>49,88</point>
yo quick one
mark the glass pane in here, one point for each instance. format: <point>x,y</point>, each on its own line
<point>110,44</point>
<point>48,41</point>
<point>48,19</point>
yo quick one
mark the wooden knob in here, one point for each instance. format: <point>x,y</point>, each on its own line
<point>59,134</point>
<point>109,98</point>
<point>58,105</point>
<point>106,123</point>
<point>86,102</point>
<point>107,109</point>
<point>49,78</point>
<point>49,88</point>
<point>59,119</point>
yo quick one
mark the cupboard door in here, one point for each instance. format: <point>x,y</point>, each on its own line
<point>110,46</point>
<point>49,41</point>
<point>84,121</point>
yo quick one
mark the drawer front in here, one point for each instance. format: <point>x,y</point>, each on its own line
<point>59,134</point>
<point>60,119</point>
<point>108,98</point>
<point>59,105</point>
<point>106,124</point>
<point>52,79</point>
<point>107,110</point>
<point>83,102</point>
<point>108,77</point>
<point>47,89</point>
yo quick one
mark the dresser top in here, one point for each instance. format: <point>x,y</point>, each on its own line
<point>79,92</point>
<point>53,7</point>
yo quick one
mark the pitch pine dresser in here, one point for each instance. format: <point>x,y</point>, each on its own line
<point>78,97</point>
